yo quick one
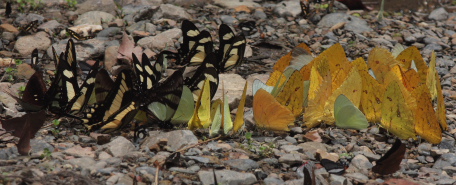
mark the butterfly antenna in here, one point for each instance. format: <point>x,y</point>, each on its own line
<point>448,134</point>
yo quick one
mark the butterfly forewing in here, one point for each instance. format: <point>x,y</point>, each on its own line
<point>231,50</point>
<point>85,93</point>
<point>190,36</point>
<point>103,84</point>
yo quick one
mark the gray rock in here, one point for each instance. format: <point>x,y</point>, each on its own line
<point>50,26</point>
<point>445,181</point>
<point>147,170</point>
<point>273,181</point>
<point>176,139</point>
<point>447,144</point>
<point>310,148</point>
<point>94,17</point>
<point>358,176</point>
<point>106,171</point>
<point>431,40</point>
<point>113,161</point>
<point>228,19</point>
<point>259,14</point>
<point>424,149</point>
<point>226,177</point>
<point>450,170</point>
<point>291,148</point>
<point>91,48</point>
<point>438,14</point>
<point>448,159</point>
<point>145,13</point>
<point>432,47</point>
<point>361,163</point>
<point>234,86</point>
<point>337,178</point>
<point>242,164</point>
<point>291,140</point>
<point>142,26</point>
<point>98,5</point>
<point>120,146</point>
<point>109,32</point>
<point>26,44</point>
<point>181,170</point>
<point>288,8</point>
<point>162,40</point>
<point>173,12</point>
<point>235,3</point>
<point>293,158</point>
<point>270,161</point>
<point>203,160</point>
<point>38,146</point>
<point>84,162</point>
<point>353,23</point>
<point>8,153</point>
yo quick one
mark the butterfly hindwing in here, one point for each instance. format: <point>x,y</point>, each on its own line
<point>118,108</point>
<point>85,94</point>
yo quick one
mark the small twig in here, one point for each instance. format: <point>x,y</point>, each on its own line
<point>191,146</point>
<point>156,175</point>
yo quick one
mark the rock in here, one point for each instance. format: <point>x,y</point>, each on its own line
<point>227,19</point>
<point>120,147</point>
<point>162,40</point>
<point>273,181</point>
<point>50,26</point>
<point>242,164</point>
<point>226,177</point>
<point>9,28</point>
<point>361,164</point>
<point>80,151</point>
<point>259,14</point>
<point>173,12</point>
<point>91,48</point>
<point>84,162</point>
<point>176,139</point>
<point>25,45</point>
<point>357,176</point>
<point>97,5</point>
<point>235,3</point>
<point>438,14</point>
<point>94,17</point>
<point>203,160</point>
<point>310,148</point>
<point>234,85</point>
<point>353,23</point>
<point>291,148</point>
<point>142,26</point>
<point>448,159</point>
<point>38,146</point>
<point>288,8</point>
<point>295,158</point>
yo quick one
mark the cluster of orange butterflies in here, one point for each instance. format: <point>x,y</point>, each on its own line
<point>396,89</point>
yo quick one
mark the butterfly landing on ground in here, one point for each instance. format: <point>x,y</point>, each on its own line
<point>231,50</point>
<point>196,45</point>
<point>78,36</point>
<point>27,29</point>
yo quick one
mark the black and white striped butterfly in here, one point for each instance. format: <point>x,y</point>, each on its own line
<point>231,50</point>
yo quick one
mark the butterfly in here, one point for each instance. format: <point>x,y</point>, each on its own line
<point>117,109</point>
<point>78,36</point>
<point>85,96</point>
<point>269,113</point>
<point>347,115</point>
<point>206,70</point>
<point>29,27</point>
<point>185,108</point>
<point>162,100</point>
<point>33,97</point>
<point>146,74</point>
<point>8,9</point>
<point>196,45</point>
<point>64,86</point>
<point>231,51</point>
<point>221,115</point>
<point>391,161</point>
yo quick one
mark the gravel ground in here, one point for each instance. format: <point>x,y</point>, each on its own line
<point>70,155</point>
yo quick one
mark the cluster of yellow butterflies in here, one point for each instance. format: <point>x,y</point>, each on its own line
<point>217,114</point>
<point>397,90</point>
